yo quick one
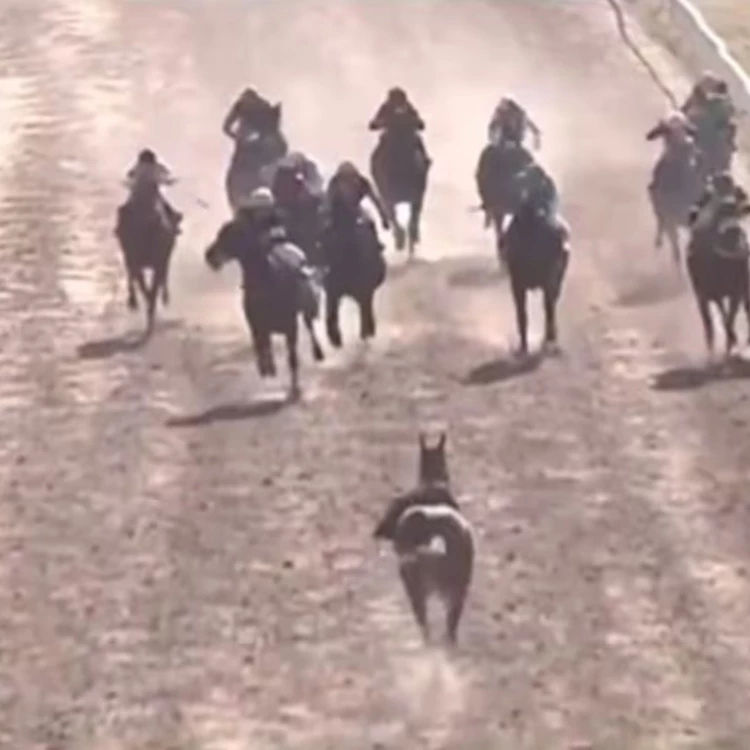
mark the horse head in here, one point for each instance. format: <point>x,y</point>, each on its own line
<point>433,465</point>
<point>230,243</point>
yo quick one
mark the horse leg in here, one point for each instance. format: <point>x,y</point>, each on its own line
<point>455,610</point>
<point>317,349</point>
<point>152,296</point>
<point>729,317</point>
<point>165,281</point>
<point>550,321</point>
<point>522,317</point>
<point>132,297</point>
<point>415,591</point>
<point>708,326</point>
<point>673,235</point>
<point>551,296</point>
<point>746,299</point>
<point>292,341</point>
<point>138,277</point>
<point>416,214</point>
<point>333,300</point>
<point>366,316</point>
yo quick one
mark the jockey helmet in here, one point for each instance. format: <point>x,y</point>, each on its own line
<point>260,198</point>
<point>397,95</point>
<point>676,121</point>
<point>147,156</point>
<point>708,81</point>
<point>347,169</point>
<point>723,183</point>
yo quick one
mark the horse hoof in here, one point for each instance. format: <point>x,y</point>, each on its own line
<point>335,339</point>
<point>132,304</point>
<point>318,355</point>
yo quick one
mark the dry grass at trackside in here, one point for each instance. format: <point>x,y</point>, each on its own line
<point>731,19</point>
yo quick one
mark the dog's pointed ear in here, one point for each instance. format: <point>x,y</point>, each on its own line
<point>442,441</point>
<point>422,441</point>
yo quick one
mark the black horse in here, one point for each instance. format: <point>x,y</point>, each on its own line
<point>717,263</point>
<point>537,254</point>
<point>433,541</point>
<point>399,171</point>
<point>301,210</point>
<point>497,179</point>
<point>147,238</point>
<point>276,291</point>
<point>355,268</point>
<point>254,161</point>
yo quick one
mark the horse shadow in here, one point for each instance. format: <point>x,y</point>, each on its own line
<point>124,344</point>
<point>230,413</point>
<point>691,378</point>
<point>504,368</point>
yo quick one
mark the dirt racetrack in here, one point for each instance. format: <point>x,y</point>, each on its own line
<point>180,569</point>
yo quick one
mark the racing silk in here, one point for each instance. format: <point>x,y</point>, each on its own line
<point>511,122</point>
<point>703,213</point>
<point>397,117</point>
<point>246,118</point>
<point>148,176</point>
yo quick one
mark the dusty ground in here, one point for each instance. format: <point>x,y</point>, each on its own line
<point>731,19</point>
<point>170,582</point>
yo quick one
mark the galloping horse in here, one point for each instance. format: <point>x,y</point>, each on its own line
<point>275,293</point>
<point>433,541</point>
<point>355,267</point>
<point>147,238</point>
<point>717,263</point>
<point>497,178</point>
<point>399,171</point>
<point>677,180</point>
<point>537,256</point>
<point>254,160</point>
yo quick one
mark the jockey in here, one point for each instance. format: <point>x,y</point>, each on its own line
<point>678,135</point>
<point>249,114</point>
<point>675,129</point>
<point>303,171</point>
<point>262,215</point>
<point>264,219</point>
<point>346,191</point>
<point>398,115</point>
<point>721,190</point>
<point>706,85</point>
<point>149,173</point>
<point>510,122</point>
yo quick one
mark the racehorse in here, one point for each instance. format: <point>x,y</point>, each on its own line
<point>433,541</point>
<point>355,268</point>
<point>254,161</point>
<point>676,183</point>
<point>717,263</point>
<point>147,239</point>
<point>497,178</point>
<point>275,294</point>
<point>301,208</point>
<point>399,171</point>
<point>537,255</point>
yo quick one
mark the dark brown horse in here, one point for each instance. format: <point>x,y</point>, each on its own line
<point>433,541</point>
<point>717,264</point>
<point>276,292</point>
<point>147,238</point>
